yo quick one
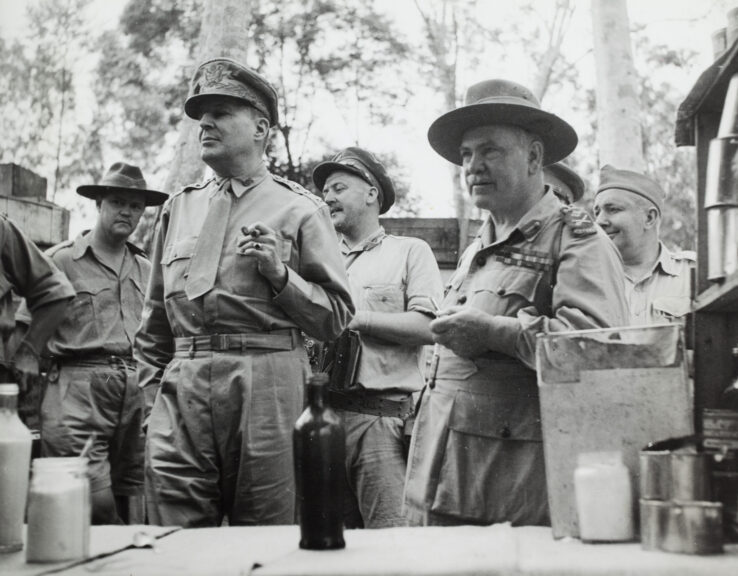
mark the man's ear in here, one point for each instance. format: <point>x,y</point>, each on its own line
<point>535,156</point>
<point>372,195</point>
<point>652,217</point>
<point>262,128</point>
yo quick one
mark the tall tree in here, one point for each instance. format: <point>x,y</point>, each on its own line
<point>618,105</point>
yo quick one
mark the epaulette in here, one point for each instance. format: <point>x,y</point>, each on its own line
<point>136,250</point>
<point>198,186</point>
<point>578,221</point>
<point>295,187</point>
<point>56,247</point>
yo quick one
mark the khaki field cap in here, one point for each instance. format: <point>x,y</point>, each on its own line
<point>611,177</point>
<point>501,102</point>
<point>363,164</point>
<point>226,77</point>
<point>122,177</point>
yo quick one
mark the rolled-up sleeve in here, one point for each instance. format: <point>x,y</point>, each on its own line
<point>423,279</point>
<point>316,297</point>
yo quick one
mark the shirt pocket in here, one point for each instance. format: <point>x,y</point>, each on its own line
<point>671,307</point>
<point>81,316</point>
<point>493,468</point>
<point>505,290</point>
<point>243,276</point>
<point>384,298</point>
<point>176,264</point>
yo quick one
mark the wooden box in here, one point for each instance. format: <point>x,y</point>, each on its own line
<point>605,390</point>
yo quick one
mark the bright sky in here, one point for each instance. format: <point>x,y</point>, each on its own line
<point>678,23</point>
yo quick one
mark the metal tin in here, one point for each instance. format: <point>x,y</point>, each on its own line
<point>654,515</point>
<point>690,476</point>
<point>655,474</point>
<point>693,528</point>
<point>682,527</point>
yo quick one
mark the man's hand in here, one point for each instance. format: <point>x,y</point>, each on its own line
<point>26,366</point>
<point>260,241</point>
<point>463,330</point>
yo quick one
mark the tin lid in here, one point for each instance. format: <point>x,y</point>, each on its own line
<point>8,389</point>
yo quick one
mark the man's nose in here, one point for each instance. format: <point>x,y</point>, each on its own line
<point>206,120</point>
<point>328,197</point>
<point>600,219</point>
<point>474,163</point>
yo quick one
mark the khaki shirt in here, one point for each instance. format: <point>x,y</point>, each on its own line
<point>315,299</point>
<point>512,278</point>
<point>665,293</point>
<point>25,270</point>
<point>391,274</point>
<point>104,316</point>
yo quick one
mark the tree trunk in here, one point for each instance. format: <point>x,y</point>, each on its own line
<point>224,32</point>
<point>618,106</point>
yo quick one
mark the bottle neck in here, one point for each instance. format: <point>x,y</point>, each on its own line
<point>9,402</point>
<point>315,395</point>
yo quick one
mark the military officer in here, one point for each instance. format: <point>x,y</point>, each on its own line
<point>241,264</point>
<point>535,266</point>
<point>25,270</point>
<point>394,281</point>
<point>564,182</point>
<point>92,387</point>
<point>658,285</point>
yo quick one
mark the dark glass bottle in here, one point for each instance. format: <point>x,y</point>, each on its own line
<point>320,448</point>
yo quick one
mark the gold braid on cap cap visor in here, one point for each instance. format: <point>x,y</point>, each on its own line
<point>225,86</point>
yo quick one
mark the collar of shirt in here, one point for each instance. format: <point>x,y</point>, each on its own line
<point>529,225</point>
<point>239,186</point>
<point>374,239</point>
<point>666,261</point>
<point>82,245</point>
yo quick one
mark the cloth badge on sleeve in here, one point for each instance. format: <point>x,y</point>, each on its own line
<point>578,220</point>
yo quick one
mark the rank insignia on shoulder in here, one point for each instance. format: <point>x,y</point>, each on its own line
<point>578,220</point>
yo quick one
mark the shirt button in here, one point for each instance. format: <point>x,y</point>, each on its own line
<point>461,300</point>
<point>501,291</point>
<point>505,432</point>
<point>481,261</point>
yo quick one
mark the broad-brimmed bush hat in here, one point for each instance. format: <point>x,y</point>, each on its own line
<point>122,177</point>
<point>501,102</point>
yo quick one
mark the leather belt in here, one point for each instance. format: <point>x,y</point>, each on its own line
<point>373,404</point>
<point>274,340</point>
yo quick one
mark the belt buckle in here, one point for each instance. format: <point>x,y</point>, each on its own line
<point>219,342</point>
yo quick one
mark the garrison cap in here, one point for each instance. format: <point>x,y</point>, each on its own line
<point>363,164</point>
<point>611,177</point>
<point>226,77</point>
<point>122,177</point>
<point>501,102</point>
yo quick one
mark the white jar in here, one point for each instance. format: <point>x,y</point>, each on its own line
<point>15,459</point>
<point>604,498</point>
<point>59,510</point>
